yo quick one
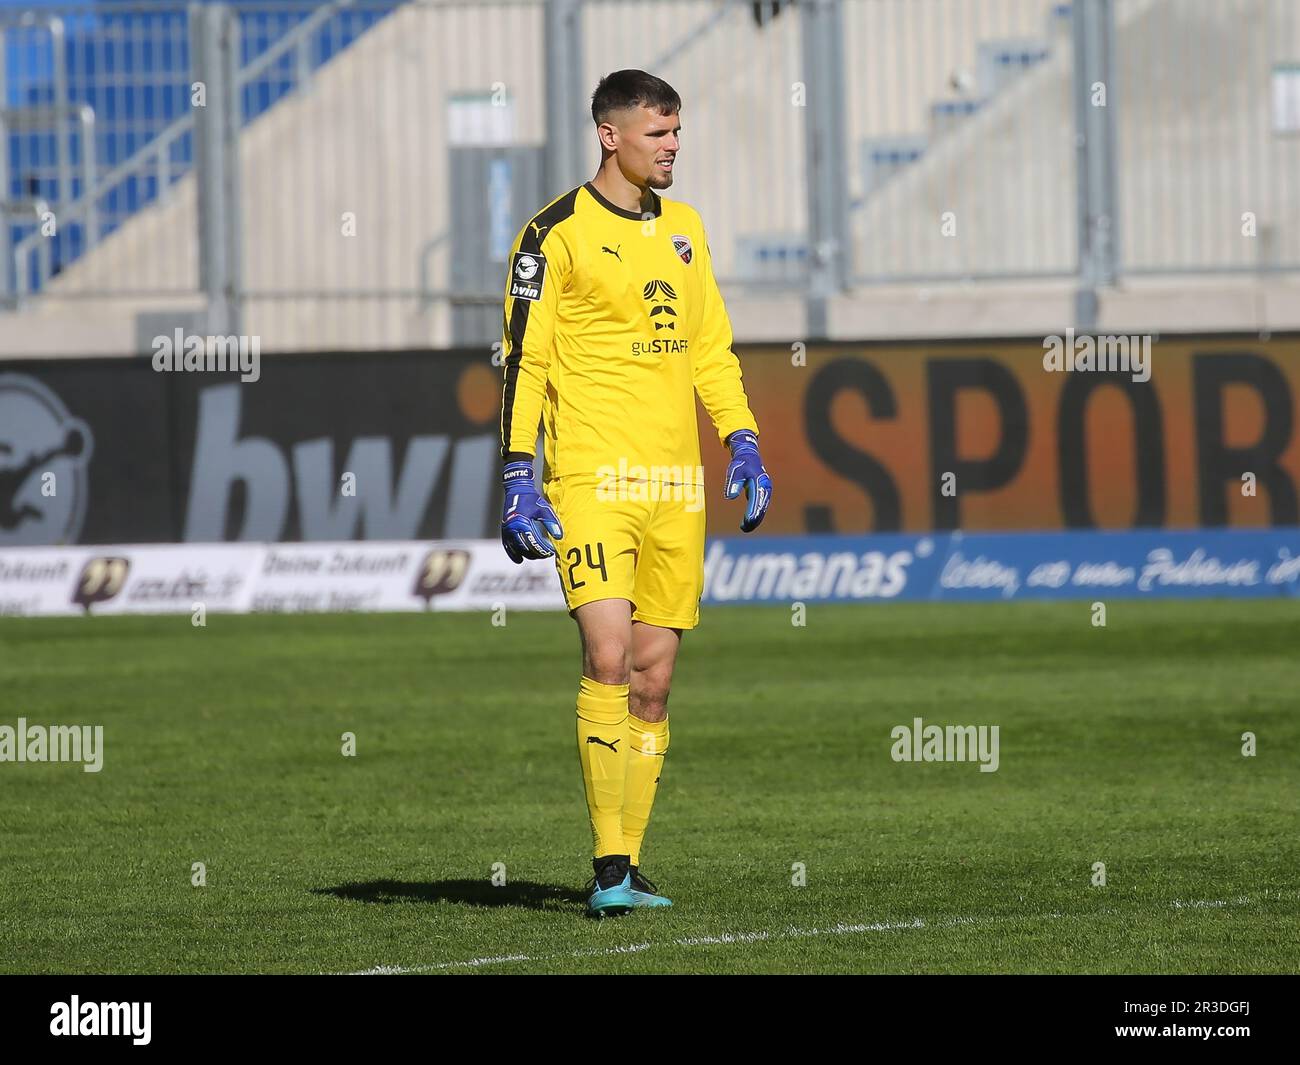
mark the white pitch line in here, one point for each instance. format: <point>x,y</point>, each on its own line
<point>1199,904</point>
<point>725,939</point>
<point>731,938</point>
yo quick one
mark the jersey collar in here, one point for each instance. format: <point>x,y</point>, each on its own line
<point>635,216</point>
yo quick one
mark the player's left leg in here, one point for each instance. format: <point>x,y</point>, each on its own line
<point>654,653</point>
<point>603,746</point>
<point>596,562</point>
<point>669,581</point>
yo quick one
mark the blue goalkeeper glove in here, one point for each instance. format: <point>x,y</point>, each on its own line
<point>746,471</point>
<point>526,517</point>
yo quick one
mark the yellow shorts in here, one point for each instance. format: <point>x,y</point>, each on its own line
<point>643,542</point>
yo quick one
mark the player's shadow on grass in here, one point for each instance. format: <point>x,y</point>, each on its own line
<point>523,893</point>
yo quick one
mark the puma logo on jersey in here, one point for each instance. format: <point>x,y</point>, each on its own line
<point>612,251</point>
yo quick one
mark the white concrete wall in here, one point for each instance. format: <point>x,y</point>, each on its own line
<point>370,138</point>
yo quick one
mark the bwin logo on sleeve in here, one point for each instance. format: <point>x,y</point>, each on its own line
<point>527,276</point>
<point>102,1018</point>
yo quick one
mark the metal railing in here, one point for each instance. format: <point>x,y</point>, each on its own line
<point>829,145</point>
<point>147,174</point>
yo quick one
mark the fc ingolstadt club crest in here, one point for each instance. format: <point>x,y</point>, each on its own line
<point>682,245</point>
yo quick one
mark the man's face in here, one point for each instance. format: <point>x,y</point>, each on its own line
<point>647,145</point>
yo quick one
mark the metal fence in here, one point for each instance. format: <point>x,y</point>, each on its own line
<point>354,170</point>
<point>100,109</point>
<point>1209,137</point>
<point>962,139</point>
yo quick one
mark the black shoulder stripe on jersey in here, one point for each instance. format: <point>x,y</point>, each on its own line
<point>535,233</point>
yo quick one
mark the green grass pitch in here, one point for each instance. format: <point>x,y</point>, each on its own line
<point>222,745</point>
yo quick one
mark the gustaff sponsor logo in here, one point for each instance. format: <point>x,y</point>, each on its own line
<point>661,346</point>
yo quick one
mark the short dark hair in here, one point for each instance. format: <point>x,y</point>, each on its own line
<point>626,89</point>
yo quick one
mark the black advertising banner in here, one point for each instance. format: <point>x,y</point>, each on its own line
<point>85,453</point>
<point>392,446</point>
<point>1038,434</point>
<point>990,435</point>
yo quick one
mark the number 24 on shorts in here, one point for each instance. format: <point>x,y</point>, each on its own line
<point>574,557</point>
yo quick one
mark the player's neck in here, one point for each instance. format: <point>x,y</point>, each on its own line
<point>610,183</point>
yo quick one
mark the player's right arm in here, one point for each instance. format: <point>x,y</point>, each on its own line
<point>538,269</point>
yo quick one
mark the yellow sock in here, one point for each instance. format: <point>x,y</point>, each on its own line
<point>602,750</point>
<point>645,761</point>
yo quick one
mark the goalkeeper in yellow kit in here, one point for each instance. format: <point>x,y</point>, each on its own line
<point>613,324</point>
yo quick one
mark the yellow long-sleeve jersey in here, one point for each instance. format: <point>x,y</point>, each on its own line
<point>613,322</point>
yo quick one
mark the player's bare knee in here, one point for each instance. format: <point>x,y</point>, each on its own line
<point>606,661</point>
<point>651,707</point>
<point>648,694</point>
